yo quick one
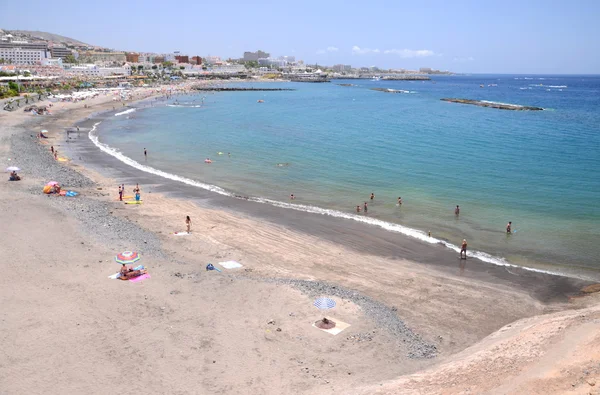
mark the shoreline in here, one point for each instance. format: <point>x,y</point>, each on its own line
<point>283,244</point>
<point>425,250</point>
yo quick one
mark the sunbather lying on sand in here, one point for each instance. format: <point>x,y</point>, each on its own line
<point>128,273</point>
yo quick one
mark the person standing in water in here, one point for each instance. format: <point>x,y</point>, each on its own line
<point>509,227</point>
<point>399,201</point>
<point>145,153</point>
<point>188,222</point>
<point>292,197</point>
<point>358,209</point>
<point>463,248</point>
<point>365,208</point>
<point>372,196</point>
<point>457,210</point>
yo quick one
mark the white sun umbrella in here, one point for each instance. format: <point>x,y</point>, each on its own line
<point>12,168</point>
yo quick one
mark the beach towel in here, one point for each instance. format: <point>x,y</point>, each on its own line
<point>139,278</point>
<point>230,264</point>
<point>118,275</point>
<point>181,233</point>
<point>134,202</point>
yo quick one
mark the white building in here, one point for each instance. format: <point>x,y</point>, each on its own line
<point>92,70</point>
<point>228,69</point>
<point>22,56</point>
<point>58,62</point>
<point>272,62</point>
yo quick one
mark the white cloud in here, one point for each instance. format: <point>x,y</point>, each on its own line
<point>410,53</point>
<point>462,60</point>
<point>404,53</point>
<point>328,49</point>
<point>356,50</point>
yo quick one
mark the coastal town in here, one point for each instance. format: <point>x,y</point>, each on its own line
<point>43,60</point>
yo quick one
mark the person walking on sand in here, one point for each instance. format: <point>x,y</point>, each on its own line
<point>55,154</point>
<point>457,210</point>
<point>372,196</point>
<point>509,227</point>
<point>188,223</point>
<point>463,248</point>
<point>52,149</point>
<point>365,209</point>
<point>120,193</point>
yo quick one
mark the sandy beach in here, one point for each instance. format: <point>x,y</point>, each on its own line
<point>420,320</point>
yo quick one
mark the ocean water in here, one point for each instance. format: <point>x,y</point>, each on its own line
<point>339,144</point>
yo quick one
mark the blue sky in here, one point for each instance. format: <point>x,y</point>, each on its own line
<point>466,36</point>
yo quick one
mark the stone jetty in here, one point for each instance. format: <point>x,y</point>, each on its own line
<point>501,106</point>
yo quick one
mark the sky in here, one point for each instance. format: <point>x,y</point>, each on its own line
<point>512,37</point>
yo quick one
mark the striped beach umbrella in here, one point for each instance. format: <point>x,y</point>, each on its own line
<point>324,303</point>
<point>127,257</point>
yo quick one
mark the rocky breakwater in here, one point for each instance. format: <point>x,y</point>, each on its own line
<point>216,89</point>
<point>491,104</point>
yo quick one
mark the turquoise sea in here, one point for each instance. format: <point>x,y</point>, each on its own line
<point>539,170</point>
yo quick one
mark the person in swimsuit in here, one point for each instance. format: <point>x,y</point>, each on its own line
<point>463,248</point>
<point>509,227</point>
<point>292,197</point>
<point>365,209</point>
<point>372,196</point>
<point>127,273</point>
<point>399,201</point>
<point>188,222</point>
<point>358,209</point>
<point>457,210</point>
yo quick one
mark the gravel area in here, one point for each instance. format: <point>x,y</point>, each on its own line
<point>94,214</point>
<point>383,316</point>
<point>36,158</point>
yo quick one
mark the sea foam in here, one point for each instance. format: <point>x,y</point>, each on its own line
<point>125,112</point>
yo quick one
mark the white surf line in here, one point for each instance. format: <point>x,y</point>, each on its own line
<point>125,112</point>
<point>392,227</point>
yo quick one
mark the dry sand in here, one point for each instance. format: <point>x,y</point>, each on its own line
<point>66,328</point>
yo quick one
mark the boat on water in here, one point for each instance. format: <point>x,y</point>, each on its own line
<point>376,79</point>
